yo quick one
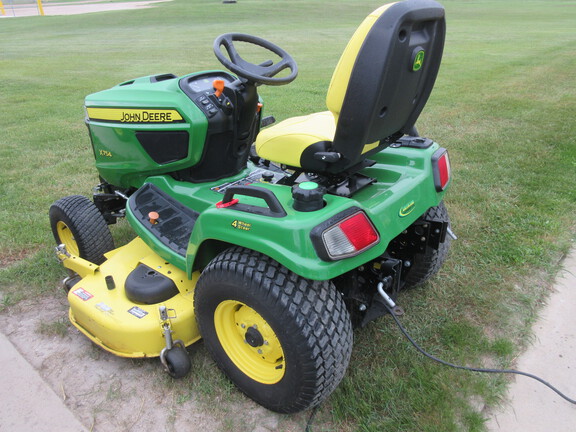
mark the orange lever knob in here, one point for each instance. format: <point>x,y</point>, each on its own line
<point>218,86</point>
<point>153,217</point>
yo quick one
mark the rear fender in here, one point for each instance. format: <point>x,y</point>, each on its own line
<point>288,239</point>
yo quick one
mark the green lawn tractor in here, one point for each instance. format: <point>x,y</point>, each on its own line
<point>267,244</point>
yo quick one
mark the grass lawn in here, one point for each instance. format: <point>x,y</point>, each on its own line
<point>504,105</point>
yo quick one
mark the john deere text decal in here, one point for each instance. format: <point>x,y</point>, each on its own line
<point>129,115</point>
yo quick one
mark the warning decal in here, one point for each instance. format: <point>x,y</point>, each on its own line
<point>137,312</point>
<point>82,293</point>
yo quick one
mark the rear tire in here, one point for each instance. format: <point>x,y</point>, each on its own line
<point>285,341</point>
<point>77,223</point>
<point>427,264</point>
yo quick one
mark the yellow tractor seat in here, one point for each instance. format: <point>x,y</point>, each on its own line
<point>377,91</point>
<point>290,140</point>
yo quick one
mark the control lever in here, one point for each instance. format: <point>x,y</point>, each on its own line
<point>218,85</point>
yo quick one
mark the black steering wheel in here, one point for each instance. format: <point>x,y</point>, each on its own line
<point>258,73</point>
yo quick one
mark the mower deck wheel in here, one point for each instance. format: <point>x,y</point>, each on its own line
<point>177,362</point>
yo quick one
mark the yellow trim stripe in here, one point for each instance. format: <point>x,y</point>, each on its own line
<point>129,115</point>
<point>343,71</point>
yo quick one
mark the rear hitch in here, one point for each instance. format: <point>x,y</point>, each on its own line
<point>451,233</point>
<point>359,288</point>
<point>392,306</point>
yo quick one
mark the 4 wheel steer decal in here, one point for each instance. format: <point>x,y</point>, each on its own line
<point>245,226</point>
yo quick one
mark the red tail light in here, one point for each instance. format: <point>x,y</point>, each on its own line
<point>441,169</point>
<point>348,237</point>
<point>359,231</point>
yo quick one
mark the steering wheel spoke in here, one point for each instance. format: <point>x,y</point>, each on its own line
<point>231,50</point>
<point>263,73</point>
<point>275,69</point>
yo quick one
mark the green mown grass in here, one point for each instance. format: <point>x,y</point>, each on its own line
<point>504,105</point>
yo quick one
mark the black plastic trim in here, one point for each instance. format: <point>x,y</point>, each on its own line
<point>164,146</point>
<point>385,96</point>
<point>146,285</point>
<point>162,77</point>
<point>308,160</point>
<point>176,221</point>
<point>274,208</point>
<point>413,142</point>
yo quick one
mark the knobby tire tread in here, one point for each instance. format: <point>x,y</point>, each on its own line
<point>315,307</point>
<point>87,224</point>
<point>429,263</point>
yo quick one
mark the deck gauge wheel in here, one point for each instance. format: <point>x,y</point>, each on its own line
<point>177,361</point>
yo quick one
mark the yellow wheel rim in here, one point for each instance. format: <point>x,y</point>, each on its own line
<point>66,237</point>
<point>249,342</point>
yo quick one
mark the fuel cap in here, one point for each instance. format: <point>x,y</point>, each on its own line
<point>308,196</point>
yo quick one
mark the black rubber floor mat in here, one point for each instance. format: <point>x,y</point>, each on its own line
<point>175,222</point>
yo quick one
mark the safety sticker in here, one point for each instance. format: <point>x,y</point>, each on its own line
<point>104,308</point>
<point>137,312</point>
<point>82,293</point>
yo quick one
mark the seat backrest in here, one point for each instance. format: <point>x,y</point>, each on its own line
<point>384,78</point>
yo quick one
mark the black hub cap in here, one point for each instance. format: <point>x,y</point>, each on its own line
<point>254,337</point>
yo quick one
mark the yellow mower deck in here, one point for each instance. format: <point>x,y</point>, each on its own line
<point>100,309</point>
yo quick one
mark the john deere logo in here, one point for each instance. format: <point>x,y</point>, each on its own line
<point>418,61</point>
<point>406,210</point>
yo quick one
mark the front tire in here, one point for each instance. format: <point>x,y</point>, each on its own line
<point>78,224</point>
<point>285,341</point>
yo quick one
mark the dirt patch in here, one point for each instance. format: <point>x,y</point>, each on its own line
<point>78,8</point>
<point>112,394</point>
<point>7,259</point>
